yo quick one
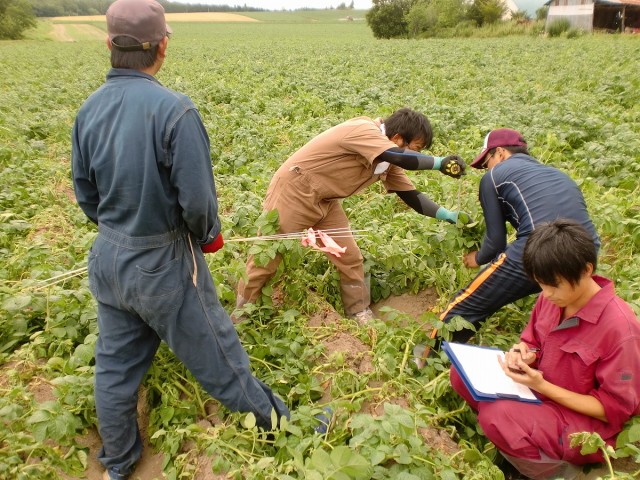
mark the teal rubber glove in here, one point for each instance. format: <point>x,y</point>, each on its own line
<point>452,216</point>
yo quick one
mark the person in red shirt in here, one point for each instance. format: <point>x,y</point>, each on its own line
<point>579,353</point>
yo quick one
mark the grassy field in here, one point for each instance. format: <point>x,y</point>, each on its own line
<point>264,89</point>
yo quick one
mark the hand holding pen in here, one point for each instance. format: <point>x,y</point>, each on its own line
<point>520,352</point>
<point>519,371</point>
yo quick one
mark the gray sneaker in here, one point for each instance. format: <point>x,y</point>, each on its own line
<point>363,317</point>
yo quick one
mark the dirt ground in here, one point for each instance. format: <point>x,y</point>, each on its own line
<point>59,33</point>
<point>79,27</point>
<point>413,305</point>
<point>67,32</point>
<point>358,356</point>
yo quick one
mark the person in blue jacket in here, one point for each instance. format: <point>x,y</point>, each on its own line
<point>141,168</point>
<point>519,190</point>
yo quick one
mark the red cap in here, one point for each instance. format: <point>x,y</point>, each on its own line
<point>502,137</point>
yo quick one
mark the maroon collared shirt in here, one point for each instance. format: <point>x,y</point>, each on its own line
<point>596,352</point>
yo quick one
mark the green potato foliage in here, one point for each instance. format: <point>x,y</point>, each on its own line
<point>264,89</point>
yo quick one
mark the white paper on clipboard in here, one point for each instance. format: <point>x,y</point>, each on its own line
<point>480,368</point>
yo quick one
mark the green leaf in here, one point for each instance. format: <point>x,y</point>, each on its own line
<point>377,457</point>
<point>16,303</point>
<point>447,474</point>
<point>320,460</point>
<point>387,426</point>
<point>313,475</point>
<point>634,433</point>
<point>265,462</point>
<point>64,426</point>
<point>84,353</point>
<point>249,421</point>
<point>39,416</point>
<point>401,455</point>
<point>166,414</point>
<point>59,332</point>
<point>40,431</point>
<point>350,463</point>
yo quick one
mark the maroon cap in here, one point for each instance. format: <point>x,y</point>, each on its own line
<point>502,137</point>
<point>142,20</point>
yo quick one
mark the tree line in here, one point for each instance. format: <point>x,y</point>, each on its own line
<point>17,16</point>
<point>59,8</point>
<point>424,18</point>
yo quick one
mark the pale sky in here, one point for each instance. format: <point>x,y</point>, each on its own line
<point>285,4</point>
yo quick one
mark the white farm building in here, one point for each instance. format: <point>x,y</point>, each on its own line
<point>590,15</point>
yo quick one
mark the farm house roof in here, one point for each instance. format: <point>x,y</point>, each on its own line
<point>619,2</point>
<point>609,2</point>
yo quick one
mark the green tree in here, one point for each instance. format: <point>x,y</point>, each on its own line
<point>449,12</point>
<point>520,16</point>
<point>431,16</point>
<point>420,19</point>
<point>387,18</point>
<point>16,16</point>
<point>541,13</point>
<point>486,11</point>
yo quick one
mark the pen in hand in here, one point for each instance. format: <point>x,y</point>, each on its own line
<point>517,350</point>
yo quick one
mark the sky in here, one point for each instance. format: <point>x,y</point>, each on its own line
<point>287,4</point>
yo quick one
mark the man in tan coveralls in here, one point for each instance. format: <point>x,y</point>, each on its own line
<point>307,189</point>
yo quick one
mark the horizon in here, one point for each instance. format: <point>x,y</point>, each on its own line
<point>278,5</point>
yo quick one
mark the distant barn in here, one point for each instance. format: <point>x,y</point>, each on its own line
<point>590,15</point>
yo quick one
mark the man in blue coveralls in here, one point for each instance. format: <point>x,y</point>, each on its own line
<point>520,190</point>
<point>142,172</point>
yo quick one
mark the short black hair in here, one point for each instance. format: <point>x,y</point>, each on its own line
<point>136,60</point>
<point>410,125</point>
<point>513,149</point>
<point>561,249</point>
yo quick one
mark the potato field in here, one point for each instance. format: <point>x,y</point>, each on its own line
<point>263,89</point>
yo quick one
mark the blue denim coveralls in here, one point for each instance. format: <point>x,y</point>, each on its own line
<point>142,172</point>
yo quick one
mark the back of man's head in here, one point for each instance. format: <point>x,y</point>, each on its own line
<point>135,28</point>
<point>562,249</point>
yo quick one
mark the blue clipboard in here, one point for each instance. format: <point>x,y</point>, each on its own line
<point>483,377</point>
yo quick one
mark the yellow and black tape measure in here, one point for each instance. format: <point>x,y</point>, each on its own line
<point>453,168</point>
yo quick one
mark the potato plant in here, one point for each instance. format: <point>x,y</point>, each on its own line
<point>263,90</point>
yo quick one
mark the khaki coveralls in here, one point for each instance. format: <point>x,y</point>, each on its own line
<point>307,189</point>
